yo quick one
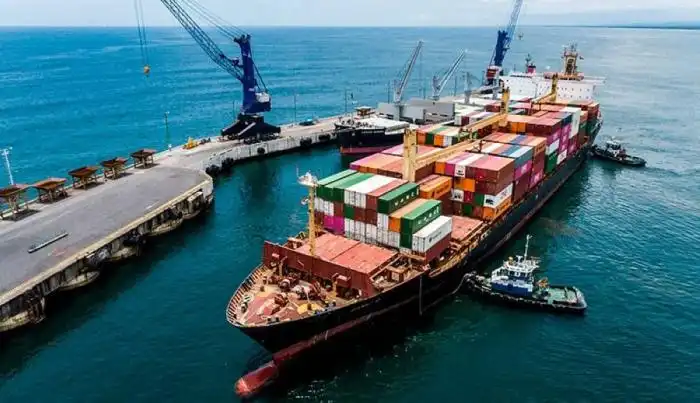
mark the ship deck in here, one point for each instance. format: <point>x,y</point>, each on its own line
<point>262,299</point>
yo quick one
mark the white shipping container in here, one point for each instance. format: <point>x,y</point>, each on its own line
<point>575,119</point>
<point>383,221</point>
<point>552,148</point>
<point>371,231</point>
<point>394,239</point>
<point>318,205</point>
<point>349,226</point>
<point>362,189</point>
<point>491,148</point>
<point>561,157</point>
<point>429,235</point>
<point>574,132</point>
<point>496,200</point>
<point>329,210</point>
<point>457,195</point>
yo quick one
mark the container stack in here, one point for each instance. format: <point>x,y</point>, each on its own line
<point>482,184</point>
<point>539,152</point>
<point>545,126</point>
<point>439,135</point>
<point>387,165</point>
<point>437,187</point>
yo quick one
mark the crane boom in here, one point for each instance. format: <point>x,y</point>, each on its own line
<point>255,99</point>
<point>466,145</point>
<point>503,40</point>
<point>439,84</point>
<point>401,84</point>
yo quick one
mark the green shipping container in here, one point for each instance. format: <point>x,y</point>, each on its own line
<point>337,189</point>
<point>323,184</point>
<point>429,139</point>
<point>420,217</point>
<point>406,240</point>
<point>467,210</point>
<point>348,211</point>
<point>551,163</point>
<point>478,199</point>
<point>397,198</point>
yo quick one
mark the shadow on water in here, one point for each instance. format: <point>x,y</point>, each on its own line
<point>347,353</point>
<point>69,310</point>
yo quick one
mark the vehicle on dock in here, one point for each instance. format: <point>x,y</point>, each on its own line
<point>613,151</point>
<point>514,283</point>
<point>395,235</point>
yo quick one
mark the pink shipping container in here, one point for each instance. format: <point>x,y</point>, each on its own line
<point>536,178</point>
<point>573,146</point>
<point>523,170</point>
<point>329,222</point>
<point>566,131</point>
<point>339,225</point>
<point>563,144</point>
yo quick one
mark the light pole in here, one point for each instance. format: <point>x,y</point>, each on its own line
<point>6,154</point>
<point>167,133</point>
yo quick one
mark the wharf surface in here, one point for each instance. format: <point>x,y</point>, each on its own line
<point>99,219</point>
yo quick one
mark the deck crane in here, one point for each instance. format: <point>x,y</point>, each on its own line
<point>401,82</point>
<point>412,162</point>
<point>503,40</point>
<point>256,98</point>
<point>439,82</point>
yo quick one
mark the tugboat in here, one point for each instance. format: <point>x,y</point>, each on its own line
<point>514,283</point>
<point>614,151</point>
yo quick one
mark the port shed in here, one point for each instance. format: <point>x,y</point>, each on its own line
<point>15,198</point>
<point>51,189</point>
<point>114,168</point>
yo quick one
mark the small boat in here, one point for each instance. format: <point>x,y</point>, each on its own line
<point>514,283</point>
<point>614,151</point>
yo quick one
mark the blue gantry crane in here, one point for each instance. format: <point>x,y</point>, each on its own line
<point>256,98</point>
<point>503,40</point>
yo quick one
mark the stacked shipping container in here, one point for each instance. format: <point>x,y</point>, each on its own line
<point>370,202</point>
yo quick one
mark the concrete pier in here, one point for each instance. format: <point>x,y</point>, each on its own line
<point>60,243</point>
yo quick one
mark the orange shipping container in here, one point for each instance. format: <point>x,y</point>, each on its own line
<point>395,217</point>
<point>466,184</point>
<point>436,188</point>
<point>490,214</point>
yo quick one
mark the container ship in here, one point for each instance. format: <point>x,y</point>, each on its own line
<point>397,232</point>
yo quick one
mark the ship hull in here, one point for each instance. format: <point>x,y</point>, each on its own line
<point>362,141</point>
<point>418,295</point>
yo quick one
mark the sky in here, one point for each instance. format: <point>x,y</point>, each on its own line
<point>351,12</point>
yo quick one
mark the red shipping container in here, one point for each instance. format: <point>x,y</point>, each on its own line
<point>359,214</point>
<point>520,187</point>
<point>371,217</point>
<point>372,197</point>
<point>490,188</point>
<point>435,252</point>
<point>477,212</point>
<point>338,209</point>
<point>538,164</point>
<point>493,169</point>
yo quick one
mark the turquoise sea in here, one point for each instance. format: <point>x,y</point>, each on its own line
<point>154,329</point>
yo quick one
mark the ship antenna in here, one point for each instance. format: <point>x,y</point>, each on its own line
<point>310,182</point>
<point>527,245</point>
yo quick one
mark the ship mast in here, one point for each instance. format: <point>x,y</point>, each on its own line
<point>310,182</point>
